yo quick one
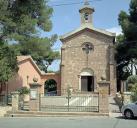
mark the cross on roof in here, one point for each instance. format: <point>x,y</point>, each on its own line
<point>86,2</point>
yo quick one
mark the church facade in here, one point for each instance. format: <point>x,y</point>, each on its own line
<point>87,56</point>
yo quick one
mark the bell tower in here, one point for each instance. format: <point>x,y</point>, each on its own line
<point>86,13</point>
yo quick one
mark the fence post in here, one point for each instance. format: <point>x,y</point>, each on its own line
<point>68,96</point>
<point>34,103</point>
<point>103,96</point>
<point>15,101</point>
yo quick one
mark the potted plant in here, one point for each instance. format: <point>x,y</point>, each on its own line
<point>24,93</point>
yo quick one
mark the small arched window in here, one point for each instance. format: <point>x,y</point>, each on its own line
<point>87,47</point>
<point>86,16</point>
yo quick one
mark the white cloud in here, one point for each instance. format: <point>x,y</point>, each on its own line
<point>116,30</point>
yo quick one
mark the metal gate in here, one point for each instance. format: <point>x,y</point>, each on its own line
<point>71,102</point>
<point>5,99</point>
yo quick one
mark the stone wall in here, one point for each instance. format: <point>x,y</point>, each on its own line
<point>74,59</point>
<point>103,96</point>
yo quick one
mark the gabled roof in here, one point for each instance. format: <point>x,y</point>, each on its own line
<point>87,26</point>
<point>21,59</point>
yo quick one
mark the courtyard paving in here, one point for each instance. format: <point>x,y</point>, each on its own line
<point>4,109</point>
<point>113,108</point>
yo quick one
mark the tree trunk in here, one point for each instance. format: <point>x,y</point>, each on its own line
<point>0,88</point>
<point>135,71</point>
<point>131,68</point>
<point>6,93</point>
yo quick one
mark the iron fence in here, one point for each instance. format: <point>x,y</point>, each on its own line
<point>5,99</point>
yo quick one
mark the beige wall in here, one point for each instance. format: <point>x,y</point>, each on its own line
<point>74,59</point>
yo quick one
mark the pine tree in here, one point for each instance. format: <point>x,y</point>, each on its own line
<point>127,43</point>
<point>8,65</point>
<point>21,21</point>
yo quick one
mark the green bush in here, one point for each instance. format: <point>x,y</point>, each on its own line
<point>130,87</point>
<point>23,90</point>
<point>132,79</point>
<point>134,90</point>
<point>50,85</point>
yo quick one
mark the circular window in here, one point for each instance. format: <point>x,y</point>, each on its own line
<point>87,47</point>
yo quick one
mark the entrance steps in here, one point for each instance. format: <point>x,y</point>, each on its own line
<point>52,114</point>
<point>26,106</point>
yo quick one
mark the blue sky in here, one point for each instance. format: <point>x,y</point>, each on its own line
<point>67,18</point>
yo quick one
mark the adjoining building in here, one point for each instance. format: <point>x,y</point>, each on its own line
<point>28,73</point>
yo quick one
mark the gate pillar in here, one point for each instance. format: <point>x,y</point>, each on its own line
<point>15,101</point>
<point>34,103</point>
<point>103,96</point>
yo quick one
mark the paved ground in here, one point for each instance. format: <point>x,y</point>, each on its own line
<point>67,122</point>
<point>4,109</point>
<point>113,108</point>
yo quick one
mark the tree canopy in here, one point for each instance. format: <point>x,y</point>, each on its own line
<point>8,63</point>
<point>126,48</point>
<point>19,18</point>
<point>50,85</point>
<point>132,79</point>
<point>21,21</point>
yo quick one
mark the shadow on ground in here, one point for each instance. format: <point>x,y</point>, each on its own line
<point>121,117</point>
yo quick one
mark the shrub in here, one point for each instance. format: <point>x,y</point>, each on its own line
<point>130,87</point>
<point>23,90</point>
<point>50,85</point>
<point>134,90</point>
<point>132,79</point>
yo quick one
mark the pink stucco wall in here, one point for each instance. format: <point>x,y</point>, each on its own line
<point>26,68</point>
<point>27,71</point>
<point>15,83</point>
<point>53,76</point>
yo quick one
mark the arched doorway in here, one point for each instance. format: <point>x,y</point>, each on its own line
<point>50,87</point>
<point>87,80</point>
